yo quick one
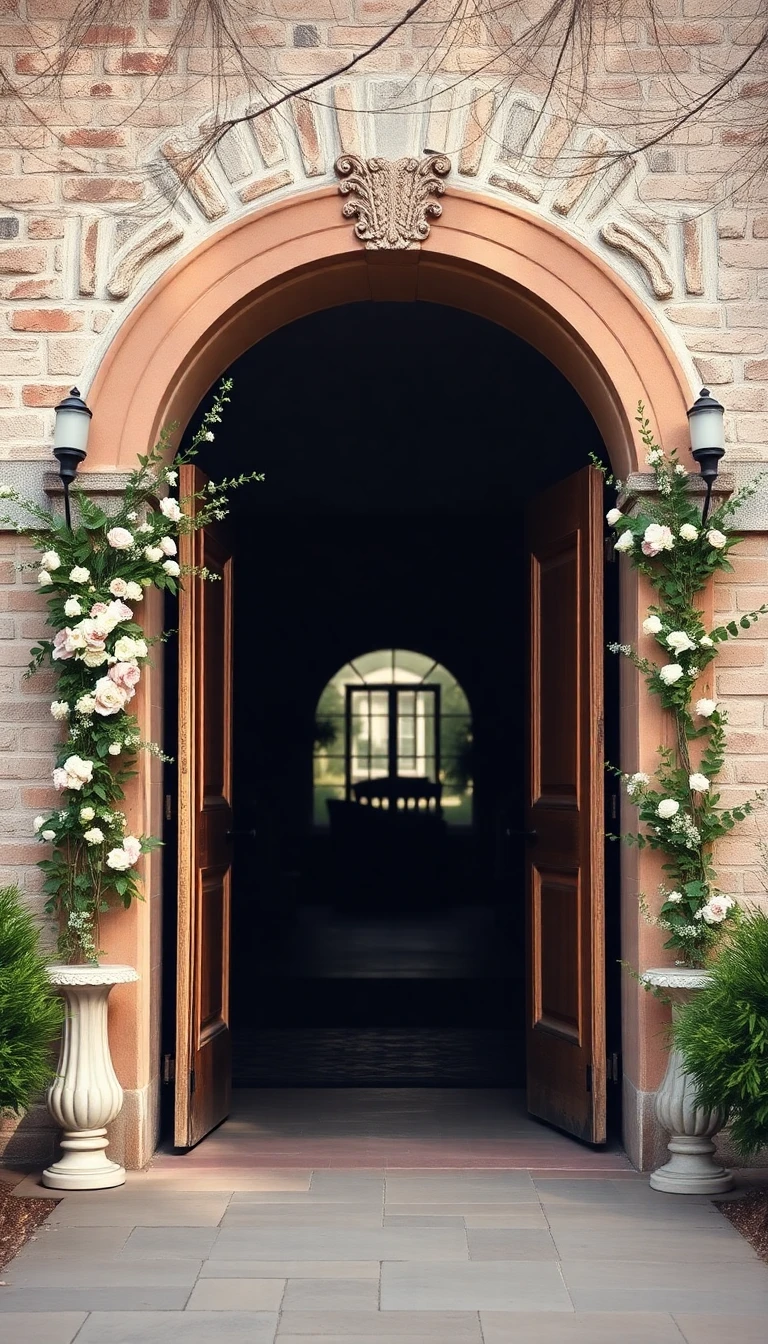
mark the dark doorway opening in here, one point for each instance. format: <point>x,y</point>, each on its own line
<point>401,444</point>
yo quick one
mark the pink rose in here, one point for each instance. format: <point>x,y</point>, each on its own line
<point>98,609</point>
<point>108,697</point>
<point>132,847</point>
<point>62,647</point>
<point>118,611</point>
<point>126,676</point>
<point>59,777</point>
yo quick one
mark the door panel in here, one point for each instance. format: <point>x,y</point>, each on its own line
<point>565,913</point>
<point>203,1044</point>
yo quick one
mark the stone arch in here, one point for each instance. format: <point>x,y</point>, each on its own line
<point>300,255</point>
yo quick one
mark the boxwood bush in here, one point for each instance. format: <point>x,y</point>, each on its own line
<point>723,1035</point>
<point>30,1010</point>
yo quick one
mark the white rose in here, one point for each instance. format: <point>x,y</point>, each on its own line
<point>716,909</point>
<point>167,545</point>
<point>86,704</point>
<point>171,477</point>
<point>50,560</point>
<point>37,823</point>
<point>674,897</point>
<point>668,807</point>
<point>49,835</point>
<point>44,578</point>
<point>716,539</point>
<point>153,553</point>
<point>79,574</point>
<point>652,625</point>
<point>73,774</point>
<point>626,542</point>
<point>128,649</point>
<point>679,642</point>
<point>94,657</point>
<point>656,539</point>
<point>688,532</point>
<point>172,569</point>
<point>118,859</point>
<point>170,510</point>
<point>72,607</point>
<point>698,782</point>
<point>109,698</point>
<point>94,836</point>
<point>120,539</point>
<point>87,814</point>
<point>118,588</point>
<point>670,673</point>
<point>706,707</point>
<point>114,748</point>
<point>612,517</point>
<point>59,709</point>
<point>133,591</point>
<point>706,642</point>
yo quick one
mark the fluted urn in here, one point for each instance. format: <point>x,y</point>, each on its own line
<point>692,1168</point>
<point>85,1096</point>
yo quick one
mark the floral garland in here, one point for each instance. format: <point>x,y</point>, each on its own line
<point>90,574</point>
<point>666,541</point>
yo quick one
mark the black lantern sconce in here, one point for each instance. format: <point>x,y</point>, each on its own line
<point>705,419</point>
<point>70,440</point>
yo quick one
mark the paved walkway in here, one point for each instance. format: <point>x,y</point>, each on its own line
<point>410,1257</point>
<point>562,1245</point>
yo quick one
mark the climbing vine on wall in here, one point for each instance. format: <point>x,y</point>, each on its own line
<point>678,804</point>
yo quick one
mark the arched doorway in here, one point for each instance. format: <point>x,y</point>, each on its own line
<point>379,910</point>
<point>298,257</point>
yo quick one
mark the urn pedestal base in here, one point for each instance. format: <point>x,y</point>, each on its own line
<point>691,1169</point>
<point>85,1096</point>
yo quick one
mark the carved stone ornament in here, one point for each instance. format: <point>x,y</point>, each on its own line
<point>391,198</point>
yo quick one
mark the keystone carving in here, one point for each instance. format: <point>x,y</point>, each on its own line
<point>391,198</point>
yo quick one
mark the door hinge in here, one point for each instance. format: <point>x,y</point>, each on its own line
<point>609,553</point>
<point>614,1067</point>
<point>192,1080</point>
<point>169,1068</point>
<point>614,807</point>
<point>168,807</point>
<point>589,1078</point>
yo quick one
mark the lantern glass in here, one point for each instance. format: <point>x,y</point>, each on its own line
<point>706,421</point>
<point>71,429</point>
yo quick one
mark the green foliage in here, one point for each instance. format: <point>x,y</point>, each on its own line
<point>30,1011</point>
<point>664,538</point>
<point>89,574</point>
<point>723,1035</point>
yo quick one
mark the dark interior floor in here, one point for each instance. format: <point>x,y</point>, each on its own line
<point>342,999</point>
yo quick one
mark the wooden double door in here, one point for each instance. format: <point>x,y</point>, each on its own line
<point>566,1048</point>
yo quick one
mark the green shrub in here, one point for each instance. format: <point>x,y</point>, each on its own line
<point>723,1035</point>
<point>30,1010</point>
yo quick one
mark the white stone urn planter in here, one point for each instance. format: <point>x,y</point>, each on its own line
<point>691,1169</point>
<point>85,1096</point>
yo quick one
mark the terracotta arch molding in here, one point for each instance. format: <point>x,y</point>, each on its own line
<point>300,256</point>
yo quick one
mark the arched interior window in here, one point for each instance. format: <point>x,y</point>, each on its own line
<point>399,718</point>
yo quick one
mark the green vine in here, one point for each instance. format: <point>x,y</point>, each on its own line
<point>678,805</point>
<point>94,575</point>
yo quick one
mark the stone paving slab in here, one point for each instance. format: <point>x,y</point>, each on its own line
<point>114,1209</point>
<point>291,1269</point>
<point>40,1327</point>
<point>179,1327</point>
<point>511,1244</point>
<point>698,1329</point>
<point>492,1285</point>
<point>641,1327</point>
<point>116,1272</point>
<point>93,1299</point>
<point>331,1295</point>
<point>433,1327</point>
<point>237,1295</point>
<point>695,1244</point>
<point>336,1243</point>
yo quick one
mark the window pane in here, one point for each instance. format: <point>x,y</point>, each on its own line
<point>323,794</point>
<point>328,770</point>
<point>374,666</point>
<point>410,666</point>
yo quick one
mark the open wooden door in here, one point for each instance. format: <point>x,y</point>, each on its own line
<point>566,1065</point>
<point>203,1046</point>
